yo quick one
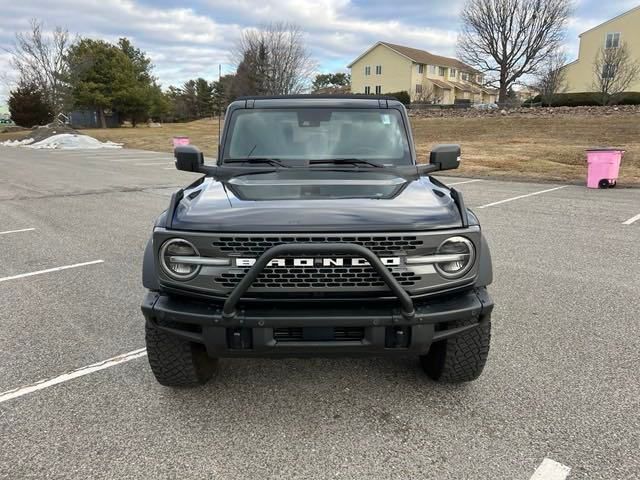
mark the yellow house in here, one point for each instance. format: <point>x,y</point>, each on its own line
<point>386,68</point>
<point>579,75</point>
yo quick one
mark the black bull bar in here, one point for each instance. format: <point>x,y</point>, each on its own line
<point>229,310</point>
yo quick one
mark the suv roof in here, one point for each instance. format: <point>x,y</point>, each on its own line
<point>352,96</point>
<point>345,101</point>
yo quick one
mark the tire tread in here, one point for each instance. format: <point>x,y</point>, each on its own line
<point>461,358</point>
<point>176,362</point>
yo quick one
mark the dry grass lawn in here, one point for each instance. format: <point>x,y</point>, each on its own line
<point>540,148</point>
<point>537,148</point>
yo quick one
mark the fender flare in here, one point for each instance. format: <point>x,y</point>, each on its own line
<point>149,273</point>
<point>485,269</point>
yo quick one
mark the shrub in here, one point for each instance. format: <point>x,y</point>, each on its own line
<point>29,107</point>
<point>402,96</point>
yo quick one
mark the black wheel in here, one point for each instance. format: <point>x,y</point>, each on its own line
<point>176,362</point>
<point>613,183</point>
<point>460,358</point>
<point>604,183</point>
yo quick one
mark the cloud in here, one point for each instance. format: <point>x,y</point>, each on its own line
<point>191,40</point>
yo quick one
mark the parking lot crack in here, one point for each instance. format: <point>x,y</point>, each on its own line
<point>89,192</point>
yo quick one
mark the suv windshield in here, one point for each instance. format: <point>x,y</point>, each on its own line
<point>296,136</point>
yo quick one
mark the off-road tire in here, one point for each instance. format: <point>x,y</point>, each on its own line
<point>460,358</point>
<point>176,362</point>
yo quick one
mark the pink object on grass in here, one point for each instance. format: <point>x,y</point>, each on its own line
<point>177,141</point>
<point>603,167</point>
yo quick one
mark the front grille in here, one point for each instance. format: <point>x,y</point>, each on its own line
<point>318,277</point>
<point>314,334</point>
<point>257,245</point>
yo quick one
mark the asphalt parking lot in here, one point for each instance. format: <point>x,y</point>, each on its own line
<point>561,382</point>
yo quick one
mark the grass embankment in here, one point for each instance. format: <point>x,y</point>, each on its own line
<point>549,148</point>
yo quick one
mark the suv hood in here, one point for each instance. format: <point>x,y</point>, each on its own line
<point>317,201</point>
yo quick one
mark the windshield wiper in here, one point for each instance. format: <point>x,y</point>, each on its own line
<point>345,161</point>
<point>270,161</point>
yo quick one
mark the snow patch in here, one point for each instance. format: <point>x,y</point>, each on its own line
<point>63,141</point>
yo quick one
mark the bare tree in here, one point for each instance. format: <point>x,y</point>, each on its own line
<point>275,59</point>
<point>39,59</point>
<point>614,71</point>
<point>551,77</point>
<point>511,38</point>
<point>428,94</point>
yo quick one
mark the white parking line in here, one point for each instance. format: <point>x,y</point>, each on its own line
<point>631,220</point>
<point>551,470</point>
<point>151,164</point>
<point>521,196</point>
<point>131,159</point>
<point>49,270</point>
<point>65,377</point>
<point>17,231</point>
<point>462,183</point>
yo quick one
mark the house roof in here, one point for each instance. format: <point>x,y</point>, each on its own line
<point>441,84</point>
<point>421,56</point>
<point>465,88</point>
<point>611,20</point>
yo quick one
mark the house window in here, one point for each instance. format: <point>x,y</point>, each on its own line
<point>378,69</point>
<point>613,40</point>
<point>418,89</point>
<point>608,70</point>
<point>367,90</point>
<point>367,70</point>
<point>452,73</point>
<point>442,71</point>
<point>420,68</point>
<point>378,89</point>
<point>432,69</point>
<point>479,79</point>
<point>465,77</point>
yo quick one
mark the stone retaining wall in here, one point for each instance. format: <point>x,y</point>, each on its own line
<point>527,112</point>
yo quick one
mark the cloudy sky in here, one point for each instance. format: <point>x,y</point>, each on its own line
<point>191,38</point>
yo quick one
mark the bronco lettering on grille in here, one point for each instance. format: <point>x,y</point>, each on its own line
<point>315,262</point>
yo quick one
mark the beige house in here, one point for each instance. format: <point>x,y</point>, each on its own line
<point>386,68</point>
<point>579,75</point>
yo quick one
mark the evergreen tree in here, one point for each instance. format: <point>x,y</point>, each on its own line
<point>29,106</point>
<point>204,98</point>
<point>113,78</point>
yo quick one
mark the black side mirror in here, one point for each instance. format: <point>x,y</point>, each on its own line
<point>189,158</point>
<point>445,157</point>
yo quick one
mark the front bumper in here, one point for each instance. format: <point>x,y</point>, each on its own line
<point>253,330</point>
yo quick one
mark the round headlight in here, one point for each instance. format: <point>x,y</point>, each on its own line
<point>462,254</point>
<point>170,254</point>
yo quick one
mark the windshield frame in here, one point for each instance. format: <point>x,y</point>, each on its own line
<point>274,104</point>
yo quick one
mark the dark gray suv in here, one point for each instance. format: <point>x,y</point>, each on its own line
<point>316,232</point>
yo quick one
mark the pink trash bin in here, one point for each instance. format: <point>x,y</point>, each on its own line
<point>177,141</point>
<point>603,167</point>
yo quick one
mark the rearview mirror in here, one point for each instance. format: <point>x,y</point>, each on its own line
<point>189,158</point>
<point>445,157</point>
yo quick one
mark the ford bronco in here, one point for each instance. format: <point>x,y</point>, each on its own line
<point>316,232</point>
